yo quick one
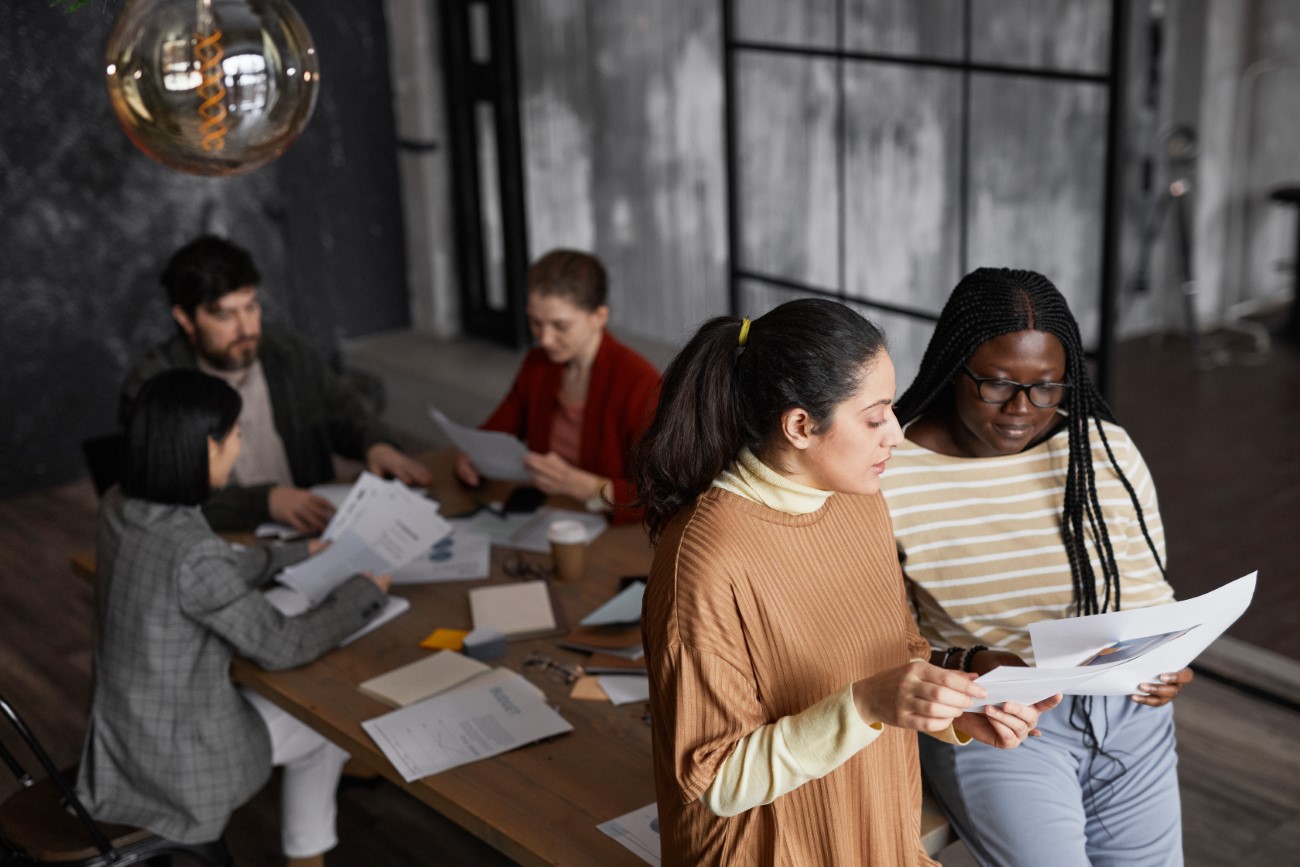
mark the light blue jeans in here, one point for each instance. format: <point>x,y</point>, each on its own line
<point>1051,801</point>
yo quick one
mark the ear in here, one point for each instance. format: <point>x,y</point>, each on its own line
<point>214,448</point>
<point>798,428</point>
<point>184,321</point>
<point>602,315</point>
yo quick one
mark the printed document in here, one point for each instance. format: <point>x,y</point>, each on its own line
<point>1110,654</point>
<point>462,556</point>
<point>494,713</point>
<point>495,455</point>
<point>637,831</point>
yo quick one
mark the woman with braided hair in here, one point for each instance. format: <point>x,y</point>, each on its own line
<point>1016,497</point>
<point>787,677</point>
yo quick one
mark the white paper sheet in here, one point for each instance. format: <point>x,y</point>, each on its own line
<point>526,532</point>
<point>495,455</point>
<point>291,603</point>
<point>317,576</point>
<point>489,716</point>
<point>625,688</point>
<point>1062,646</point>
<point>637,831</point>
<point>461,556</point>
<point>623,608</point>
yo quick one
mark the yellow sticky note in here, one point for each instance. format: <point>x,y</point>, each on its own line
<point>588,689</point>
<point>445,639</point>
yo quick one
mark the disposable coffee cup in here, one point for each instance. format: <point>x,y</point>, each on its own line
<point>568,540</point>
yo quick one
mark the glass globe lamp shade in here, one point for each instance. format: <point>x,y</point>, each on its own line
<point>212,87</point>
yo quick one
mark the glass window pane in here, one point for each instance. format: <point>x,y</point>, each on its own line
<point>788,183</point>
<point>910,28</point>
<point>810,23</point>
<point>1037,180</point>
<point>902,184</point>
<point>490,211</point>
<point>1070,35</point>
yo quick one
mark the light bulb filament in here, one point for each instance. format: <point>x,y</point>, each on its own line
<point>212,91</point>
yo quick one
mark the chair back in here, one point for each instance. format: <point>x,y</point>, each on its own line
<point>25,779</point>
<point>104,459</point>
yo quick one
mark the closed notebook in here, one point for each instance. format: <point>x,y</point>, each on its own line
<point>624,641</point>
<point>516,610</point>
<point>423,678</point>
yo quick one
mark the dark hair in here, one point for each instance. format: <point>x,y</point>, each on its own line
<point>986,304</point>
<point>167,432</point>
<point>718,397</point>
<point>570,274</point>
<point>204,270</point>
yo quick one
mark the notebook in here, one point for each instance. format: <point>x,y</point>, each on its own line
<point>423,678</point>
<point>516,610</point>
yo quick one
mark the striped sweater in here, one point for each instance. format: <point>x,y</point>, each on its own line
<point>981,537</point>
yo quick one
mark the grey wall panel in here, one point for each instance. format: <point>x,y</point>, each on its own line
<point>902,193</point>
<point>1037,169</point>
<point>788,177</point>
<point>87,223</point>
<point>624,151</point>
<point>1071,35</point>
<point>912,28</point>
<point>806,22</point>
<point>905,336</point>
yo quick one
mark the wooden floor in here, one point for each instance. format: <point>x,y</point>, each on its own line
<point>1222,445</point>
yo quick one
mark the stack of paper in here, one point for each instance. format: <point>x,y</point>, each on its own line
<point>492,714</point>
<point>462,556</point>
<point>423,678</point>
<point>380,527</point>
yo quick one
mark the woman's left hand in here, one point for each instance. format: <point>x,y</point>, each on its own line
<point>1007,725</point>
<point>554,475</point>
<point>1160,694</point>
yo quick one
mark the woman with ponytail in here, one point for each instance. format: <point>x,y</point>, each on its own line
<point>786,673</point>
<point>1017,498</point>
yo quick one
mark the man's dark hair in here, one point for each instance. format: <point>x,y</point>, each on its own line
<point>202,271</point>
<point>167,435</point>
<point>573,275</point>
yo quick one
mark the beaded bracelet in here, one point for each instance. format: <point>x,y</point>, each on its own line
<point>969,656</point>
<point>948,655</point>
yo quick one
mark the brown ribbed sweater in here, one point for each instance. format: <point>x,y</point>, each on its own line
<point>751,615</point>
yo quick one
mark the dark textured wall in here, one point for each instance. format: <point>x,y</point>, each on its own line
<point>86,223</point>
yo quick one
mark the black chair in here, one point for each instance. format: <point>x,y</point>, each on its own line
<point>104,460</point>
<point>45,823</point>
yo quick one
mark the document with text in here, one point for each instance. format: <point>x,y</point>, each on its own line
<point>1110,654</point>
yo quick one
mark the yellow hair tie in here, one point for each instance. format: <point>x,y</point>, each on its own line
<point>744,332</point>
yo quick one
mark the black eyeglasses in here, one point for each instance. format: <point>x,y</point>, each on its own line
<point>1043,395</point>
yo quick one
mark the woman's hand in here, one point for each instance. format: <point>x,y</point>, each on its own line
<point>304,511</point>
<point>917,696</point>
<point>1160,694</point>
<point>1007,726</point>
<point>466,471</point>
<point>554,475</point>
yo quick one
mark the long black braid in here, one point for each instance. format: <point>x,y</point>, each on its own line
<point>986,304</point>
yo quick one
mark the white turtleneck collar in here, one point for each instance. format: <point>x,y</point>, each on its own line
<point>754,480</point>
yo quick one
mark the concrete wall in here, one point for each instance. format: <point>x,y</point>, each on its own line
<point>87,222</point>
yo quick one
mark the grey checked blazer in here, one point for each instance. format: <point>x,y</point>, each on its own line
<point>172,746</point>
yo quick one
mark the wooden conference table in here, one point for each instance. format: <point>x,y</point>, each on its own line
<point>539,804</point>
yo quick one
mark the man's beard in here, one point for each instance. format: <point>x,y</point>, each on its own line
<point>233,359</point>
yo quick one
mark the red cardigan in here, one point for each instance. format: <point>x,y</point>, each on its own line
<point>620,403</point>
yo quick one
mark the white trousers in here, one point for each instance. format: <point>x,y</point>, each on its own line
<point>312,767</point>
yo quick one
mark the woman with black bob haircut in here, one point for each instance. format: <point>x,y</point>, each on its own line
<point>779,645</point>
<point>1018,498</point>
<point>173,745</point>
